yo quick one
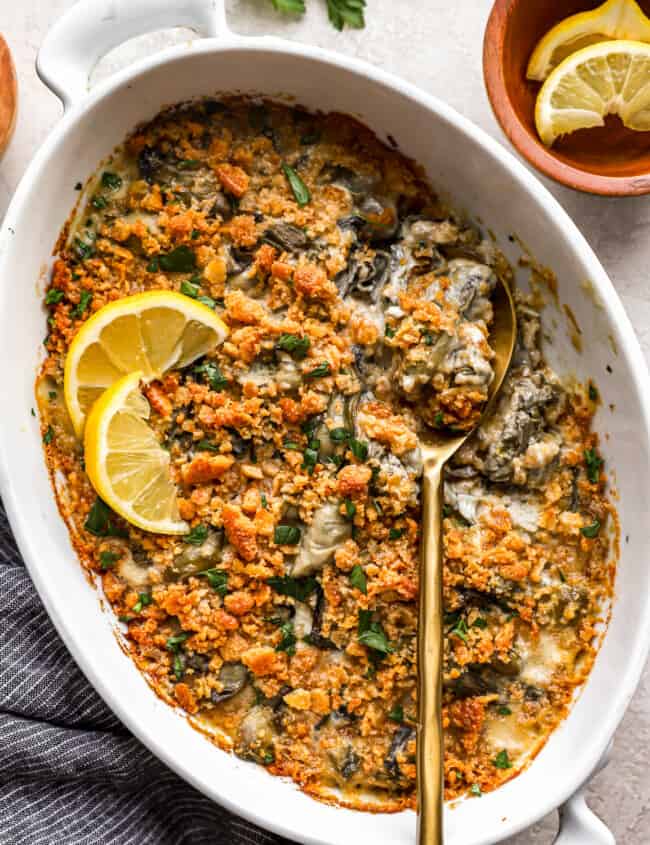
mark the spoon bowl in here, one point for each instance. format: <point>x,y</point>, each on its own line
<point>436,450</point>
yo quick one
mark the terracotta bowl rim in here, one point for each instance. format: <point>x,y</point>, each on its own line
<point>532,148</point>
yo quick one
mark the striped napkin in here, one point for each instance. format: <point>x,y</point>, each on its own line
<point>70,772</point>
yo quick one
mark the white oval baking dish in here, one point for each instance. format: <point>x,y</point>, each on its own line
<point>482,179</point>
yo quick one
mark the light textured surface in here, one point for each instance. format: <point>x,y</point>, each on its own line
<point>436,45</point>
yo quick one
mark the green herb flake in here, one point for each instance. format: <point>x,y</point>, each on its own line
<point>293,344</point>
<point>107,560</point>
<point>48,437</point>
<point>296,588</point>
<point>287,640</point>
<point>144,599</point>
<point>53,296</point>
<point>358,579</point>
<point>479,622</point>
<point>197,536</point>
<point>269,756</point>
<point>359,449</point>
<point>592,530</point>
<point>99,202</point>
<point>265,503</point>
<point>593,462</point>
<point>502,761</point>
<point>286,535</point>
<point>291,445</point>
<point>179,666</point>
<point>320,371</point>
<point>389,332</point>
<point>428,338</point>
<point>188,289</point>
<point>207,301</point>
<point>179,260</point>
<point>475,789</point>
<point>339,435</point>
<point>175,643</point>
<point>593,392</point>
<point>212,375</point>
<point>343,13</point>
<point>51,395</point>
<point>504,711</point>
<point>289,7</point>
<point>217,579</point>
<point>309,460</point>
<point>206,446</point>
<point>350,508</point>
<point>153,266</point>
<point>100,521</point>
<point>460,630</point>
<point>397,714</point>
<point>85,298</point>
<point>371,634</point>
<point>438,420</point>
<point>111,181</point>
<point>300,190</point>
<point>395,533</point>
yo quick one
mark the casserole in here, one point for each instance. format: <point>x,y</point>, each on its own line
<point>476,173</point>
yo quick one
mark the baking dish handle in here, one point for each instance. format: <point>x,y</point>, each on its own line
<point>579,825</point>
<point>90,28</point>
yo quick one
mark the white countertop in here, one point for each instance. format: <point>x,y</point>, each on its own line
<point>436,45</point>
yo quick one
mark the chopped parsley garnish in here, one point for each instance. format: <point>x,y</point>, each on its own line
<point>300,190</point>
<point>479,622</point>
<point>111,181</point>
<point>289,444</point>
<point>179,260</point>
<point>264,500</point>
<point>475,789</point>
<point>397,714</point>
<point>339,435</point>
<point>438,420</point>
<point>217,579</point>
<point>53,296</point>
<point>428,338</point>
<point>320,371</point>
<point>212,374</point>
<point>371,634</point>
<point>350,508</point>
<point>100,521</point>
<point>395,533</point>
<point>389,332</point>
<point>179,666</point>
<point>593,392</point>
<point>48,437</point>
<point>358,578</point>
<point>296,588</point>
<point>143,600</point>
<point>175,643</point>
<point>197,536</point>
<point>189,164</point>
<point>108,559</point>
<point>593,463</point>
<point>83,249</point>
<point>85,298</point>
<point>189,289</point>
<point>309,459</point>
<point>288,639</point>
<point>296,346</point>
<point>286,535</point>
<point>502,761</point>
<point>99,202</point>
<point>346,13</point>
<point>460,630</point>
<point>359,449</point>
<point>269,757</point>
<point>206,300</point>
<point>504,711</point>
<point>206,446</point>
<point>592,530</point>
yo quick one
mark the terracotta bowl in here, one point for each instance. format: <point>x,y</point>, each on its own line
<point>609,160</point>
<point>8,95</point>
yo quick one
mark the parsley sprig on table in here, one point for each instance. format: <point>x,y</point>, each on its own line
<point>340,12</point>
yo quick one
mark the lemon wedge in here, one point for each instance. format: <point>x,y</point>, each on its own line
<point>148,332</point>
<point>612,77</point>
<point>615,19</point>
<point>126,464</point>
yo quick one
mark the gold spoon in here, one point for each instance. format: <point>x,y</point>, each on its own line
<point>437,449</point>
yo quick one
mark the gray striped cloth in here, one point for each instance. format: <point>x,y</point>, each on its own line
<point>70,772</point>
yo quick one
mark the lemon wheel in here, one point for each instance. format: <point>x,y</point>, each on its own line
<point>150,333</point>
<point>126,464</point>
<point>614,20</point>
<point>608,78</point>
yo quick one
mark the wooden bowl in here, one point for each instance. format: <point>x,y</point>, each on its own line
<point>8,95</point>
<point>609,160</point>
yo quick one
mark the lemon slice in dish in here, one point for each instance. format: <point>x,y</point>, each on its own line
<point>149,332</point>
<point>615,19</point>
<point>608,78</point>
<point>126,464</point>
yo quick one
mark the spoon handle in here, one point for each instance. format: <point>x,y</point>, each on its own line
<point>430,780</point>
